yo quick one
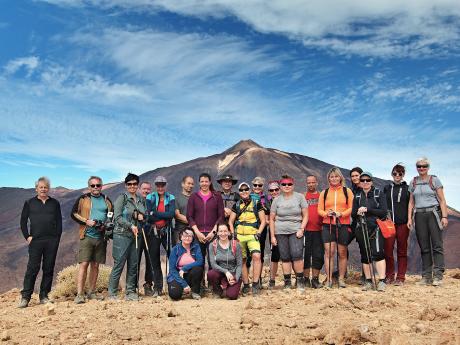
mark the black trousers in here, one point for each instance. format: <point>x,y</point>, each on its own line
<point>42,252</point>
<point>314,250</point>
<point>376,242</point>
<point>193,279</point>
<point>155,255</point>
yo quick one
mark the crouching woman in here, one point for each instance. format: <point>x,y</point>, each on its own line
<point>185,267</point>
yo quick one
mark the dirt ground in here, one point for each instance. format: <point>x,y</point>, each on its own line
<point>402,315</point>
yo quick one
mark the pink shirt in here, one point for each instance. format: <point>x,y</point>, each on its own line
<point>205,197</point>
<point>185,259</point>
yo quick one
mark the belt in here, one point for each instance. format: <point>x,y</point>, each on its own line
<point>428,209</point>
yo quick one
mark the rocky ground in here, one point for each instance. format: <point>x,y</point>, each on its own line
<point>401,315</point>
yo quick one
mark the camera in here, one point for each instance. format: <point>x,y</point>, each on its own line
<point>108,226</point>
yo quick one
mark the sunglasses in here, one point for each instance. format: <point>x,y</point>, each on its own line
<point>287,184</point>
<point>130,184</point>
<point>98,185</point>
<point>365,180</point>
<point>244,190</point>
<point>397,174</point>
<point>257,185</point>
<point>422,166</point>
<point>273,190</point>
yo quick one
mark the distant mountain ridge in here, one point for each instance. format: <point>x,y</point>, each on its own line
<point>245,160</point>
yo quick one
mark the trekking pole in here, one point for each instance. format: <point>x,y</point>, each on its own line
<point>337,225</point>
<point>367,248</point>
<point>329,273</point>
<point>148,251</point>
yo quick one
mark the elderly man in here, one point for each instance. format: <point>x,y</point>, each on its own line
<point>43,236</point>
<point>90,212</point>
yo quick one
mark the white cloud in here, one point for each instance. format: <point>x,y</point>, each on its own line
<point>29,63</point>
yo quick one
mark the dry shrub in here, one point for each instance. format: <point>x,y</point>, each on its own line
<point>66,281</point>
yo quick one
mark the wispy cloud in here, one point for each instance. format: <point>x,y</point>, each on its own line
<point>29,63</point>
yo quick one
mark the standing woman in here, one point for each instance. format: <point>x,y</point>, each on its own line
<point>274,190</point>
<point>370,204</point>
<point>428,212</point>
<point>129,210</point>
<point>288,219</point>
<point>335,205</point>
<point>258,190</point>
<point>397,194</point>
<point>205,209</point>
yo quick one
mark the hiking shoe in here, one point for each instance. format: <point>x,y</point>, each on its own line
<point>287,284</point>
<point>271,284</point>
<point>437,281</point>
<point>307,282</point>
<point>300,284</point>
<point>157,292</point>
<point>342,283</point>
<point>389,280</point>
<point>113,298</point>
<point>362,280</point>
<point>315,283</point>
<point>148,291</point>
<point>255,289</point>
<point>45,300</point>
<point>131,296</point>
<point>79,299</point>
<point>196,296</point>
<point>245,290</point>
<point>398,282</point>
<point>367,286</point>
<point>424,282</point>
<point>381,286</point>
<point>24,303</point>
<point>327,284</point>
<point>93,296</point>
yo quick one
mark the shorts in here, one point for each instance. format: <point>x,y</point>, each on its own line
<point>290,247</point>
<point>331,235</point>
<point>248,244</point>
<point>92,250</point>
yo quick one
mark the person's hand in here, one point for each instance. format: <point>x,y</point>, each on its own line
<point>409,224</point>
<point>444,222</point>
<point>181,273</point>
<point>338,214</point>
<point>362,211</point>
<point>274,241</point>
<point>140,217</point>
<point>200,237</point>
<point>187,289</point>
<point>299,233</point>
<point>257,236</point>
<point>229,276</point>
<point>29,239</point>
<point>135,230</point>
<point>227,212</point>
<point>209,237</point>
<point>90,222</point>
<point>330,213</point>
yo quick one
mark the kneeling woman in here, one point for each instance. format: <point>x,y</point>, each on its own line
<point>185,267</point>
<point>369,205</point>
<point>226,261</point>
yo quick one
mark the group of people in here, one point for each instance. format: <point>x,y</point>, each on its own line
<point>222,235</point>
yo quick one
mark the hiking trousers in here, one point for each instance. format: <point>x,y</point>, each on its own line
<point>124,251</point>
<point>400,239</point>
<point>193,279</point>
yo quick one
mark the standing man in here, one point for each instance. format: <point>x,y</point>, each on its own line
<point>43,236</point>
<point>90,212</point>
<point>145,188</point>
<point>181,208</point>
<point>229,197</point>
<point>313,241</point>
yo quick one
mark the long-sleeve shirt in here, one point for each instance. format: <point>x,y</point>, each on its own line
<point>205,214</point>
<point>224,260</point>
<point>45,218</point>
<point>336,201</point>
<point>376,206</point>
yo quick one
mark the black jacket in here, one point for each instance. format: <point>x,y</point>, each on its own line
<point>45,219</point>
<point>376,204</point>
<point>399,207</point>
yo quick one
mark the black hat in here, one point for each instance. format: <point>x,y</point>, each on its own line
<point>227,177</point>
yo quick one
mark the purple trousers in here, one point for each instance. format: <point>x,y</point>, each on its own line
<point>220,285</point>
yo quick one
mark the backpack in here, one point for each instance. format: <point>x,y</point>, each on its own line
<point>344,192</point>
<point>430,183</point>
<point>376,197</point>
<point>239,211</point>
<point>233,246</point>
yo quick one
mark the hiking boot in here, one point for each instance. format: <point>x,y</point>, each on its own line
<point>148,291</point>
<point>24,303</point>
<point>196,296</point>
<point>398,282</point>
<point>157,292</point>
<point>424,282</point>
<point>300,284</point>
<point>79,299</point>
<point>367,286</point>
<point>362,280</point>
<point>45,300</point>
<point>342,283</point>
<point>307,282</point>
<point>93,296</point>
<point>255,289</point>
<point>437,281</point>
<point>271,284</point>
<point>315,283</point>
<point>246,289</point>
<point>287,284</point>
<point>131,296</point>
<point>113,298</point>
<point>381,286</point>
<point>389,280</point>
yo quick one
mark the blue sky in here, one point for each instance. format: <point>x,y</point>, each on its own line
<point>110,86</point>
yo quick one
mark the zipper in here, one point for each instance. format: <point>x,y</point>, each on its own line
<point>392,204</point>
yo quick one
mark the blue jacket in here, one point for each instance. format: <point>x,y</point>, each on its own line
<point>176,252</point>
<point>152,205</point>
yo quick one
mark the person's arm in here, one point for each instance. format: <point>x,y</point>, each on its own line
<point>272,227</point>
<point>349,209</point>
<point>58,219</point>
<point>382,210</point>
<point>173,271</point>
<point>304,218</point>
<point>231,222</point>
<point>179,216</point>
<point>191,212</point>
<point>118,213</point>
<point>263,222</point>
<point>321,211</point>
<point>75,214</point>
<point>24,221</point>
<point>220,210</point>
<point>443,205</point>
<point>354,211</point>
<point>167,215</point>
<point>410,210</point>
<point>239,261</point>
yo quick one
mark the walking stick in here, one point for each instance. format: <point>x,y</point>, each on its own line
<point>367,247</point>
<point>148,251</point>
<point>329,273</point>
<point>337,225</point>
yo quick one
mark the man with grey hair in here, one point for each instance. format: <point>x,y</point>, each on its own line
<point>90,212</point>
<point>43,236</point>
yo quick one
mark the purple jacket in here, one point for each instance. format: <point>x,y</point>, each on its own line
<point>205,215</point>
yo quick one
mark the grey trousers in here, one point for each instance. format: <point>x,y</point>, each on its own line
<point>429,238</point>
<point>124,251</point>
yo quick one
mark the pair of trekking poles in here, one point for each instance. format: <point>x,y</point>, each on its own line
<point>337,225</point>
